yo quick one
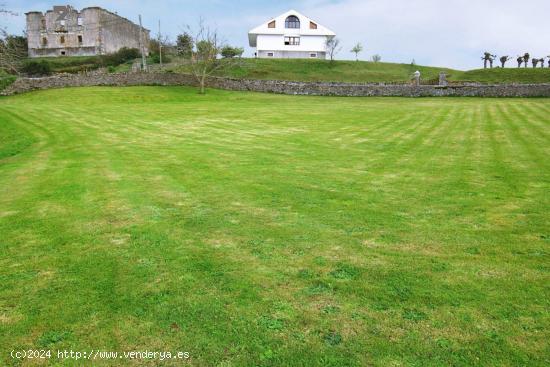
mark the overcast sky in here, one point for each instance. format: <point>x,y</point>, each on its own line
<point>451,33</point>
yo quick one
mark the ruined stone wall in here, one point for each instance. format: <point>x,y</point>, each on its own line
<point>117,32</point>
<point>64,31</point>
<point>281,87</point>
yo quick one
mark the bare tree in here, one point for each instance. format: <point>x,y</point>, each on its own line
<point>204,60</point>
<point>333,47</point>
<point>376,58</point>
<point>504,60</point>
<point>357,49</point>
<point>12,48</point>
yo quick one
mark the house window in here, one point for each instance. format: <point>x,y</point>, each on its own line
<point>292,41</point>
<point>62,39</point>
<point>79,21</point>
<point>312,25</point>
<point>270,54</point>
<point>271,24</point>
<point>44,41</point>
<point>79,39</point>
<point>292,22</point>
<point>43,23</point>
<point>62,23</point>
<point>313,56</point>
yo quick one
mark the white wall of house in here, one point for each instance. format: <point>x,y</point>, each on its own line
<point>270,40</point>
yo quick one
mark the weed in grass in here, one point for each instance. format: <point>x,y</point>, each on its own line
<point>414,315</point>
<point>271,323</point>
<point>51,337</point>
<point>345,271</point>
<point>332,338</point>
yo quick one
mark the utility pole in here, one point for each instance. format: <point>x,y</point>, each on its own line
<point>160,47</point>
<point>142,46</point>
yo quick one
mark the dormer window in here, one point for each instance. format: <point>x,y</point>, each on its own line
<point>271,24</point>
<point>292,22</point>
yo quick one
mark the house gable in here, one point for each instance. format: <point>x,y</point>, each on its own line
<point>289,23</point>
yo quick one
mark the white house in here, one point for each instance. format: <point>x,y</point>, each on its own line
<point>290,35</point>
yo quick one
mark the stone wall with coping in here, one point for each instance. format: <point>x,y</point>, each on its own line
<point>23,85</point>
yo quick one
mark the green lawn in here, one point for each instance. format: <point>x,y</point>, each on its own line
<point>255,229</point>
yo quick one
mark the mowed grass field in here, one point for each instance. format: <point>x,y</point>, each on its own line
<point>255,229</point>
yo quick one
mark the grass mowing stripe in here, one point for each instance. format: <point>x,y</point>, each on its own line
<point>257,229</point>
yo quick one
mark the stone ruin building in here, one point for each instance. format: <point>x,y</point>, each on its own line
<point>64,31</point>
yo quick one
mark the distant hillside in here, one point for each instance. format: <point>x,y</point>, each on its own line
<point>370,72</point>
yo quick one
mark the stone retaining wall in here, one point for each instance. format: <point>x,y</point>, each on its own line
<point>23,85</point>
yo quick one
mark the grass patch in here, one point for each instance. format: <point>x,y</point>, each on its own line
<point>258,229</point>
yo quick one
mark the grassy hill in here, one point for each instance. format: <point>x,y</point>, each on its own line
<point>322,70</point>
<point>508,75</point>
<point>369,72</point>
<point>254,229</point>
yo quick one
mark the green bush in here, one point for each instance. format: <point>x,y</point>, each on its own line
<point>36,68</point>
<point>6,80</point>
<point>120,57</point>
<point>155,59</point>
<point>229,52</point>
<point>111,69</point>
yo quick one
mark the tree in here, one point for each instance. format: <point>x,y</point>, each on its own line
<point>376,58</point>
<point>488,58</point>
<point>13,49</point>
<point>204,55</point>
<point>504,60</point>
<point>520,61</point>
<point>229,52</point>
<point>357,49</point>
<point>184,45</point>
<point>333,47</point>
<point>526,58</point>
